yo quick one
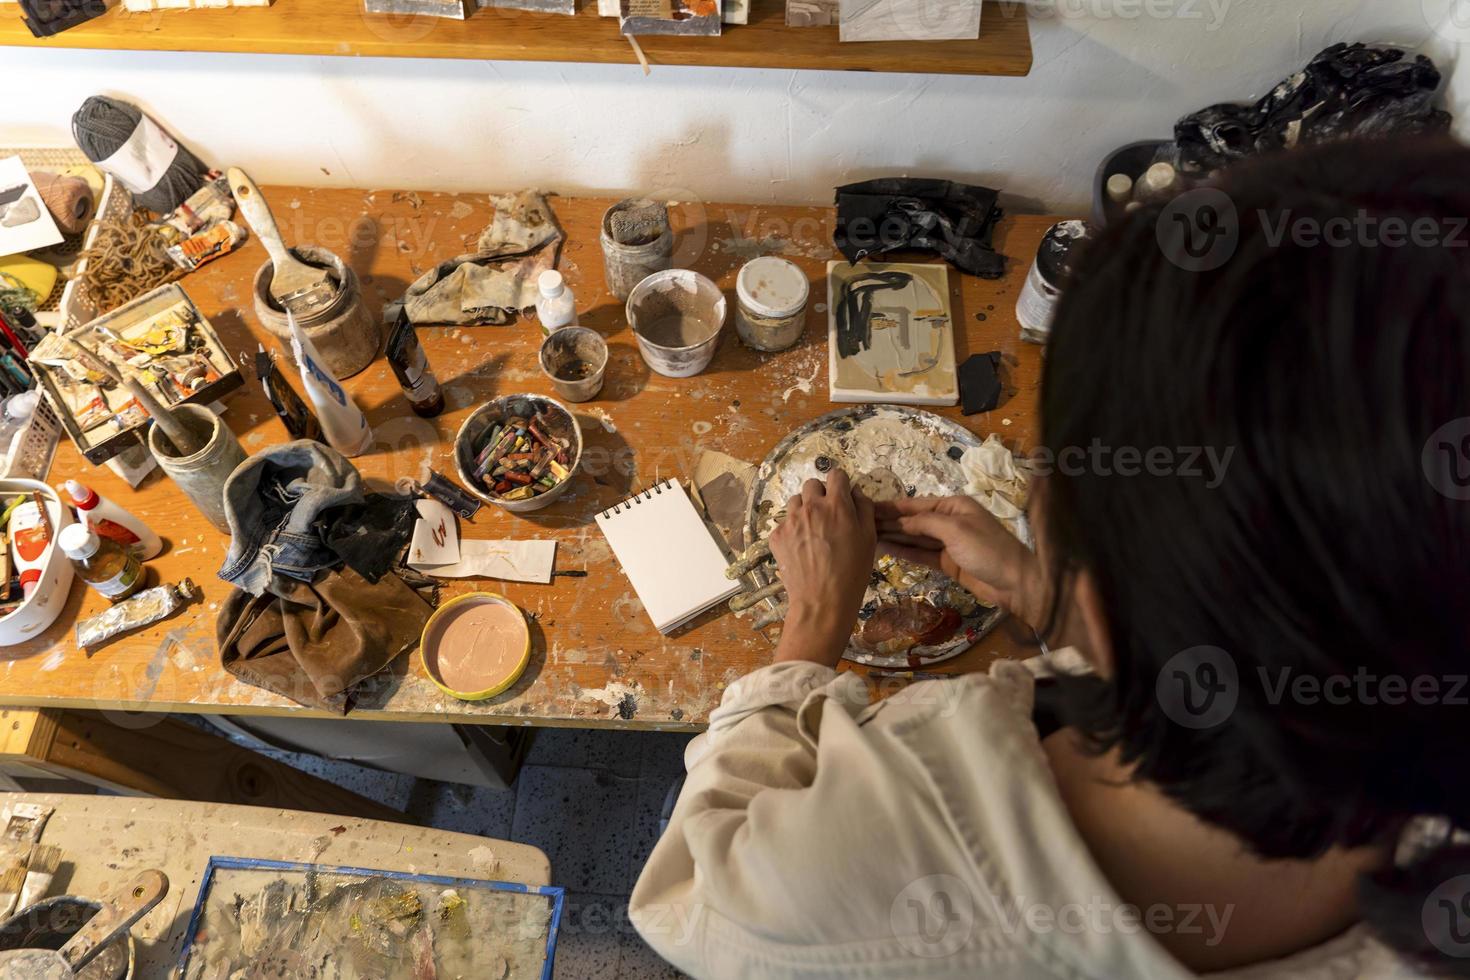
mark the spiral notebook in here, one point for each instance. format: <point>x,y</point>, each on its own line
<point>668,553</point>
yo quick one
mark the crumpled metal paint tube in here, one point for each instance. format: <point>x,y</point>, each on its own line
<point>143,609</point>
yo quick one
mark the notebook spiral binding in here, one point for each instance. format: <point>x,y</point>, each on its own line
<point>637,498</point>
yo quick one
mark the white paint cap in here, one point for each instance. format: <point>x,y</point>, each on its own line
<point>550,283</point>
<point>79,541</point>
<point>772,287</point>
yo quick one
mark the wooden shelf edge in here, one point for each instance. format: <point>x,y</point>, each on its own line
<point>339,27</point>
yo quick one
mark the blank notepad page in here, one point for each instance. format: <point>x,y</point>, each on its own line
<point>666,550</point>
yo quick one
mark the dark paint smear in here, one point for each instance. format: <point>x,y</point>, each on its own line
<point>628,707</point>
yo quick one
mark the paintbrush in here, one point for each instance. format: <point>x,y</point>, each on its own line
<point>40,868</point>
<point>300,288</point>
<point>184,442</point>
<point>11,883</point>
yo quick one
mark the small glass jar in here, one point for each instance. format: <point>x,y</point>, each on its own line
<point>771,296</point>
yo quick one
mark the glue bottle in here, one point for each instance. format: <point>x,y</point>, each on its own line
<point>112,520</point>
<point>102,563</point>
<point>555,307</point>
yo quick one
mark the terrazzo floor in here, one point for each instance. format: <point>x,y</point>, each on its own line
<point>590,799</point>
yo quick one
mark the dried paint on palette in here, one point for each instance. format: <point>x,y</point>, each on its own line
<point>890,334</point>
<point>286,922</point>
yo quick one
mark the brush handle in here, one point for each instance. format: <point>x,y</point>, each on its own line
<point>185,442</point>
<point>745,600</point>
<point>117,915</point>
<point>258,213</point>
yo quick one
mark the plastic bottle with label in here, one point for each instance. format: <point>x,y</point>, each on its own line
<point>555,307</point>
<point>111,520</point>
<point>102,563</point>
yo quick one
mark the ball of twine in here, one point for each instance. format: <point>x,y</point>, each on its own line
<point>102,125</point>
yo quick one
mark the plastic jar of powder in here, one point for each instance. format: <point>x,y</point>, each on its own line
<point>771,296</point>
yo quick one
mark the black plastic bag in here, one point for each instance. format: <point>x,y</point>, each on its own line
<point>894,213</point>
<point>1346,90</point>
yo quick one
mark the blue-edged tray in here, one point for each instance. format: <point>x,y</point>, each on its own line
<point>553,893</point>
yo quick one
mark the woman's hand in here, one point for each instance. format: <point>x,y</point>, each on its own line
<point>824,551</point>
<point>966,542</point>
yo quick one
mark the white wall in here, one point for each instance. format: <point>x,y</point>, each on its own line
<point>1100,78</point>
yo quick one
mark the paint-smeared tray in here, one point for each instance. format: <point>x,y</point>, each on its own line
<point>911,615</point>
<point>282,919</point>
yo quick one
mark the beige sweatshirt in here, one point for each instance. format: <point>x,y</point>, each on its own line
<point>920,837</point>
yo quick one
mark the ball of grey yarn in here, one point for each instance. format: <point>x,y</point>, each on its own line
<point>102,125</point>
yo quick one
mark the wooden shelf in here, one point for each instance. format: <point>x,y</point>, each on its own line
<point>339,27</point>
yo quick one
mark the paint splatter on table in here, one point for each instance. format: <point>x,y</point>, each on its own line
<point>597,660</point>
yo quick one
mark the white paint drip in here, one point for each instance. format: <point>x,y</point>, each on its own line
<point>805,387</point>
<point>53,661</point>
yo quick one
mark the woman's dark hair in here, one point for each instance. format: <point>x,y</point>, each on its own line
<point>1307,322</point>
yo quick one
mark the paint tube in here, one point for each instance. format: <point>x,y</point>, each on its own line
<point>29,530</point>
<point>294,413</point>
<point>411,367</point>
<point>343,423</point>
<point>143,609</point>
<point>450,494</point>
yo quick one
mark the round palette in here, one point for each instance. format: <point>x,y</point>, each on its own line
<point>476,645</point>
<point>912,615</point>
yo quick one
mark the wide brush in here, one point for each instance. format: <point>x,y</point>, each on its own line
<point>300,288</point>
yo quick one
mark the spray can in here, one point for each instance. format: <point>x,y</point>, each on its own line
<point>1037,303</point>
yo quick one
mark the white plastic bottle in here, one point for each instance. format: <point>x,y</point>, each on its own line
<point>111,520</point>
<point>555,307</point>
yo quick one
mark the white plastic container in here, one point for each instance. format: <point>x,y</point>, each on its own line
<point>49,599</point>
<point>770,309</point>
<point>112,520</point>
<point>556,307</point>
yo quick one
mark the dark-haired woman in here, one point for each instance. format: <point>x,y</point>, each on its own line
<point>1262,772</point>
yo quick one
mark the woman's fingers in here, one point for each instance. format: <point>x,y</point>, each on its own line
<point>864,508</point>
<point>936,526</point>
<point>897,536</point>
<point>892,509</point>
<point>919,556</point>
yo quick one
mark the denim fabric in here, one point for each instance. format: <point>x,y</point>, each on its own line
<point>272,502</point>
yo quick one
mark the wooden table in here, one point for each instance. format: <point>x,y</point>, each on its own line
<point>594,645</point>
<point>105,840</point>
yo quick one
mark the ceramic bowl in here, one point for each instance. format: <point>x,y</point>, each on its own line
<point>498,410</point>
<point>428,656</point>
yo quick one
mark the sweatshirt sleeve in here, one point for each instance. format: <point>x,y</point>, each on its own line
<point>741,816</point>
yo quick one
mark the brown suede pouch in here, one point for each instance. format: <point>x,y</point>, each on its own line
<point>314,643</point>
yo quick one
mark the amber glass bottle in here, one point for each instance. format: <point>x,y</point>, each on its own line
<point>101,562</point>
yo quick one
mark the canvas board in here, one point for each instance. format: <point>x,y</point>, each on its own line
<point>890,334</point>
